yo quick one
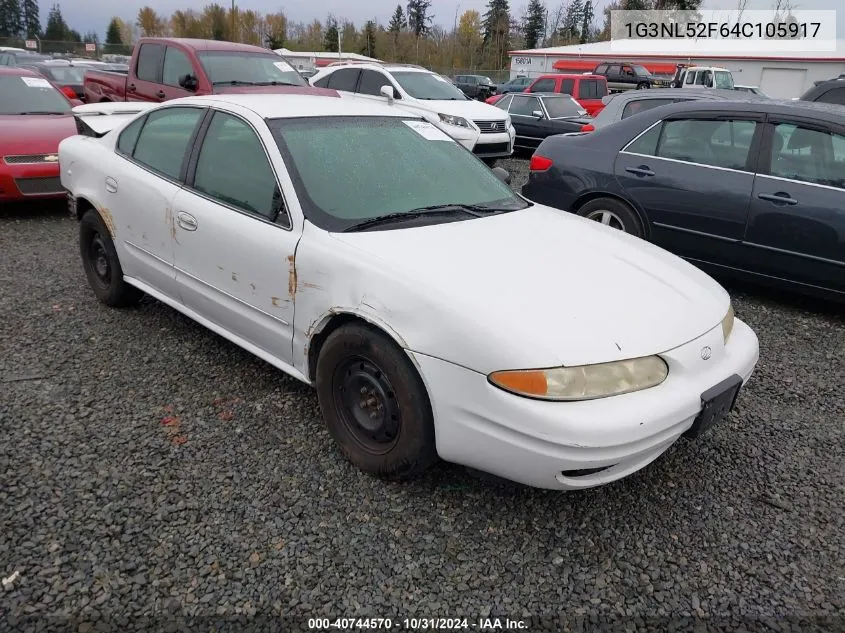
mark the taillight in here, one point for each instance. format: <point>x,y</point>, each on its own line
<point>539,163</point>
<point>588,127</point>
<point>69,92</point>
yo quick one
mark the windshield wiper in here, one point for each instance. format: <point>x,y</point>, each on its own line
<point>413,214</point>
<point>47,113</point>
<point>275,83</point>
<point>233,82</point>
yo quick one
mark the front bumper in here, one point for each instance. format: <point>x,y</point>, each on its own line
<point>495,145</point>
<point>543,444</point>
<point>29,181</point>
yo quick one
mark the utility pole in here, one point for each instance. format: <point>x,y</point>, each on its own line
<point>234,39</point>
<point>455,36</point>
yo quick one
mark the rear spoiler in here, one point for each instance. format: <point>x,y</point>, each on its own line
<point>98,119</point>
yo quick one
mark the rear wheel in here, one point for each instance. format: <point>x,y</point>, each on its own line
<point>102,266</point>
<point>643,86</point>
<point>375,404</point>
<point>613,213</point>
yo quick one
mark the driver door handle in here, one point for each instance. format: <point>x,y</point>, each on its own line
<point>780,197</point>
<point>160,94</point>
<point>642,170</point>
<point>186,221</point>
<point>130,88</point>
<point>111,184</point>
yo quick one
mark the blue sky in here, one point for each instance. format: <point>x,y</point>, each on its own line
<point>85,15</point>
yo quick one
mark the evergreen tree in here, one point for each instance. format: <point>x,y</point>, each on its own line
<point>586,21</point>
<point>368,39</point>
<point>31,18</point>
<point>11,18</point>
<point>397,22</point>
<point>535,24</point>
<point>113,36</point>
<point>57,29</point>
<point>331,35</point>
<point>497,22</point>
<point>573,20</point>
<point>419,21</point>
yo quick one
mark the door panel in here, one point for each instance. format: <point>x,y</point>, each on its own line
<point>146,84</point>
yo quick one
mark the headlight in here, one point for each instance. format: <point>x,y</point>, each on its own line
<point>728,324</point>
<point>586,382</point>
<point>457,121</point>
<point>508,122</point>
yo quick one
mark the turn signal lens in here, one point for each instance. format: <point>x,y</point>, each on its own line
<point>586,382</point>
<point>728,324</point>
<point>539,163</point>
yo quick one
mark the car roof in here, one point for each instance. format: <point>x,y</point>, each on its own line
<point>15,71</point>
<point>206,45</point>
<point>378,66</point>
<point>570,76</point>
<point>284,106</point>
<point>831,112</point>
<point>662,93</point>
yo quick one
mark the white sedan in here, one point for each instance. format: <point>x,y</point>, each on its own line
<point>361,250</point>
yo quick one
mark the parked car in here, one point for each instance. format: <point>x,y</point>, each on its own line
<point>752,188</point>
<point>67,77</point>
<point>755,90</point>
<point>628,76</point>
<point>588,90</point>
<point>536,116</point>
<point>484,130</point>
<point>830,91</point>
<point>169,68</point>
<point>34,118</point>
<point>706,77</point>
<point>517,84</point>
<point>475,86</point>
<point>18,57</point>
<point>418,227</point>
<point>621,105</point>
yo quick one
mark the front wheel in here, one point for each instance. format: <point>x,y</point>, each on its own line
<point>643,86</point>
<point>102,266</point>
<point>375,404</point>
<point>613,213</point>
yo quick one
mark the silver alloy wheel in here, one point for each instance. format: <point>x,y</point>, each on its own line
<point>606,217</point>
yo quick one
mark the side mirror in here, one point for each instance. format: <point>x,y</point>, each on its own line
<point>538,114</point>
<point>188,82</point>
<point>502,174</point>
<point>389,92</point>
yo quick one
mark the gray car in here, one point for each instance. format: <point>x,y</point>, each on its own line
<point>622,105</point>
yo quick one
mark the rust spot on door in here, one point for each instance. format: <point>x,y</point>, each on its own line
<point>108,221</point>
<point>291,277</point>
<point>275,301</point>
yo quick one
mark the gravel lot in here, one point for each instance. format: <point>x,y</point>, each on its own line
<point>151,468</point>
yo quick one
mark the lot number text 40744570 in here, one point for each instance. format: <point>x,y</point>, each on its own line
<point>417,624</point>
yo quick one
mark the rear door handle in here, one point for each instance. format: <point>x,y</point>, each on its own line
<point>642,170</point>
<point>111,184</point>
<point>779,197</point>
<point>131,87</point>
<point>160,94</point>
<point>186,221</point>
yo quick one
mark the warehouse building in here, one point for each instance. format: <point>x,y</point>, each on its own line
<point>779,75</point>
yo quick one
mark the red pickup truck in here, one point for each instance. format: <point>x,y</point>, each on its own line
<point>164,68</point>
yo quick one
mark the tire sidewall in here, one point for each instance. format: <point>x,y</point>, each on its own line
<point>415,447</point>
<point>90,225</point>
<point>633,225</point>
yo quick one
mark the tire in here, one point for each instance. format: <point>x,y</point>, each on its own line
<point>614,213</point>
<point>391,433</point>
<point>101,264</point>
<point>643,86</point>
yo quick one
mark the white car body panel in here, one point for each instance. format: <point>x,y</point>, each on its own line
<point>529,289</point>
<point>471,110</point>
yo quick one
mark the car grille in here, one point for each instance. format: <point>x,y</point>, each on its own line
<point>491,148</point>
<point>31,159</point>
<point>39,186</point>
<point>491,127</point>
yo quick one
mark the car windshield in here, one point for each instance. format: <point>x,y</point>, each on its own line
<point>30,95</point>
<point>485,80</point>
<point>723,79</point>
<point>560,107</point>
<point>640,70</point>
<point>65,74</point>
<point>228,67</point>
<point>410,165</point>
<point>428,86</point>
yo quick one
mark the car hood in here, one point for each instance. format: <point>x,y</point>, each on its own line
<point>471,109</point>
<point>288,90</point>
<point>35,134</point>
<point>570,290</point>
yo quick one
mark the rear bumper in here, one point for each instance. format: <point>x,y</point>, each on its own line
<point>26,182</point>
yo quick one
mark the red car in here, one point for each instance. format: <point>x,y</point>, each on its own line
<point>587,90</point>
<point>34,118</point>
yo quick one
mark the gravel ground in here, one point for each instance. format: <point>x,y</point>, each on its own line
<point>152,469</point>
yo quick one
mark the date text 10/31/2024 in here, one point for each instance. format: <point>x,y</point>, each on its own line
<point>417,624</point>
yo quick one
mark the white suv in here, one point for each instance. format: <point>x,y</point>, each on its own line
<point>483,129</point>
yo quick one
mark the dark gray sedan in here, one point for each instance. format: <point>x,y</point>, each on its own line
<point>754,189</point>
<point>538,115</point>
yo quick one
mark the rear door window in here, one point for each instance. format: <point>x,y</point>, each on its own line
<point>165,140</point>
<point>543,85</point>
<point>149,62</point>
<point>344,79</point>
<point>567,86</point>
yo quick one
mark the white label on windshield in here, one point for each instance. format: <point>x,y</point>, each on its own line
<point>36,82</point>
<point>283,66</point>
<point>428,131</point>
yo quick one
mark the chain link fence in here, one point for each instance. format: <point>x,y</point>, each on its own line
<point>74,49</point>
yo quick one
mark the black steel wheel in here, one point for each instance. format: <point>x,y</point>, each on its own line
<point>374,403</point>
<point>101,264</point>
